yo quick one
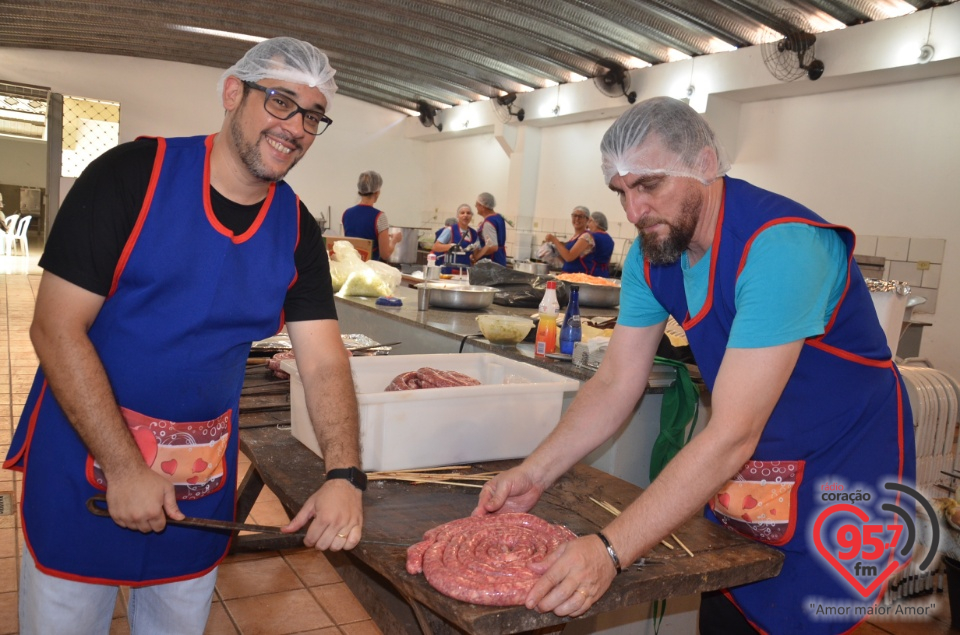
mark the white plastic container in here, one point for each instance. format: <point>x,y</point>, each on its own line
<point>506,417</point>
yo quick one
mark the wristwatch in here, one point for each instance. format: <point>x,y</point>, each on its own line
<point>354,475</point>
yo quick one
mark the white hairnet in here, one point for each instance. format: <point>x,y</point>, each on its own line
<point>662,136</point>
<point>286,59</point>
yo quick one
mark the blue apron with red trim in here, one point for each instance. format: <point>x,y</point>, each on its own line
<point>843,415</point>
<point>461,239</point>
<point>500,255</point>
<point>360,221</point>
<point>577,265</point>
<point>601,254</point>
<point>174,334</point>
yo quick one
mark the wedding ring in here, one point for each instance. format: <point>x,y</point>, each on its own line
<point>582,592</point>
<point>342,535</point>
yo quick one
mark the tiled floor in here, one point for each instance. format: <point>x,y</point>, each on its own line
<point>275,593</point>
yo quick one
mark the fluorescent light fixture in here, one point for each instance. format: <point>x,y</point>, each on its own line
<point>575,77</point>
<point>548,83</point>
<point>482,98</point>
<point>719,46</point>
<point>632,63</point>
<point>673,55</point>
<point>895,8</point>
<point>216,33</point>
<point>412,113</point>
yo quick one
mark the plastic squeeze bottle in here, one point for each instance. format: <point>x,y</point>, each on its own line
<point>571,332</point>
<point>547,328</point>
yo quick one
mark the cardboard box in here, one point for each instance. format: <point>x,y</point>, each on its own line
<point>506,417</point>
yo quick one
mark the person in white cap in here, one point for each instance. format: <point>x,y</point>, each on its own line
<point>167,259</point>
<point>805,396</point>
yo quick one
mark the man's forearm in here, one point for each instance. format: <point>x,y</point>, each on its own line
<point>79,383</point>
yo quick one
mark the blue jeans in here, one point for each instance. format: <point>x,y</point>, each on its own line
<point>54,605</point>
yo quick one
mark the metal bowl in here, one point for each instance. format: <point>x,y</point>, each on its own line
<point>528,266</point>
<point>460,296</point>
<point>599,295</point>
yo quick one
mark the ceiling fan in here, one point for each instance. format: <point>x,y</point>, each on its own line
<point>428,115</point>
<point>503,107</point>
<point>613,80</point>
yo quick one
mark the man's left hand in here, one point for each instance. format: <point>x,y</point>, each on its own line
<point>336,510</point>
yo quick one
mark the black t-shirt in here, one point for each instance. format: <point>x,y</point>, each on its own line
<point>101,209</point>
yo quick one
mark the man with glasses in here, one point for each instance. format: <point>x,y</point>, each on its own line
<point>167,259</point>
<point>493,232</point>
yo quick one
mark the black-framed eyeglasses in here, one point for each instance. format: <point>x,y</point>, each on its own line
<point>283,107</point>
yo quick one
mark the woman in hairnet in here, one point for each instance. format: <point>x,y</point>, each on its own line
<point>455,242</point>
<point>363,220</point>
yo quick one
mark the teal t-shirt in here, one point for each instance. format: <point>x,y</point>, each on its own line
<point>787,291</point>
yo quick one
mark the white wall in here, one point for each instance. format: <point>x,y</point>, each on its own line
<point>880,160</point>
<point>459,170</point>
<point>23,162</point>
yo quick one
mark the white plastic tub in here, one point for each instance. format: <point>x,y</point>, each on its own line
<point>506,417</point>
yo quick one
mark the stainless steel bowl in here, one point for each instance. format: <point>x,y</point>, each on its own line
<point>460,296</point>
<point>599,295</point>
<point>527,266</point>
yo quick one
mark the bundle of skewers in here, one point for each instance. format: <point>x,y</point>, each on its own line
<point>446,475</point>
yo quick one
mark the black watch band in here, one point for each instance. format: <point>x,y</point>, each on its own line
<point>354,475</point>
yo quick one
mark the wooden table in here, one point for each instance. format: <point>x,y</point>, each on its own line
<point>397,514</point>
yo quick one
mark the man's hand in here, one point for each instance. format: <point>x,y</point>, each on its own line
<point>336,510</point>
<point>142,500</point>
<point>511,491</point>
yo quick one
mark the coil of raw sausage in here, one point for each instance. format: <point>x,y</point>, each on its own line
<point>427,377</point>
<point>483,559</point>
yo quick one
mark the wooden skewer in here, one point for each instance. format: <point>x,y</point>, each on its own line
<point>412,480</point>
<point>683,546</point>
<point>616,512</point>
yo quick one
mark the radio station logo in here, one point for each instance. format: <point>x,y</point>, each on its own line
<point>863,549</point>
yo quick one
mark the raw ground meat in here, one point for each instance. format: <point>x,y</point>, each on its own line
<point>274,364</point>
<point>430,378</point>
<point>483,559</point>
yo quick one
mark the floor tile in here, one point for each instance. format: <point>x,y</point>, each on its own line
<point>219,622</point>
<point>256,577</point>
<point>278,613</point>
<point>9,574</point>
<point>361,628</point>
<point>9,621</point>
<point>312,567</point>
<point>340,603</point>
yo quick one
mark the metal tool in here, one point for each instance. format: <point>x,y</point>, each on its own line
<point>97,506</point>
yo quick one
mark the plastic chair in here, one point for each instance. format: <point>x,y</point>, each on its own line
<point>19,236</point>
<point>11,227</point>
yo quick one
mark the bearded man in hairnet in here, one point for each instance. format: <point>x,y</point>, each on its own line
<point>805,394</point>
<point>167,259</point>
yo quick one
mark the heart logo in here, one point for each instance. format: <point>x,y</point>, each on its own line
<point>865,591</point>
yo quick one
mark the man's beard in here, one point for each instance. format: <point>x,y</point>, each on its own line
<point>666,251</point>
<point>251,157</point>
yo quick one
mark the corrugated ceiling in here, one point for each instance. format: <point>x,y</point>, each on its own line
<point>445,52</point>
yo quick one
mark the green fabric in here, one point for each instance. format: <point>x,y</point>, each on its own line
<point>659,611</point>
<point>680,405</point>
